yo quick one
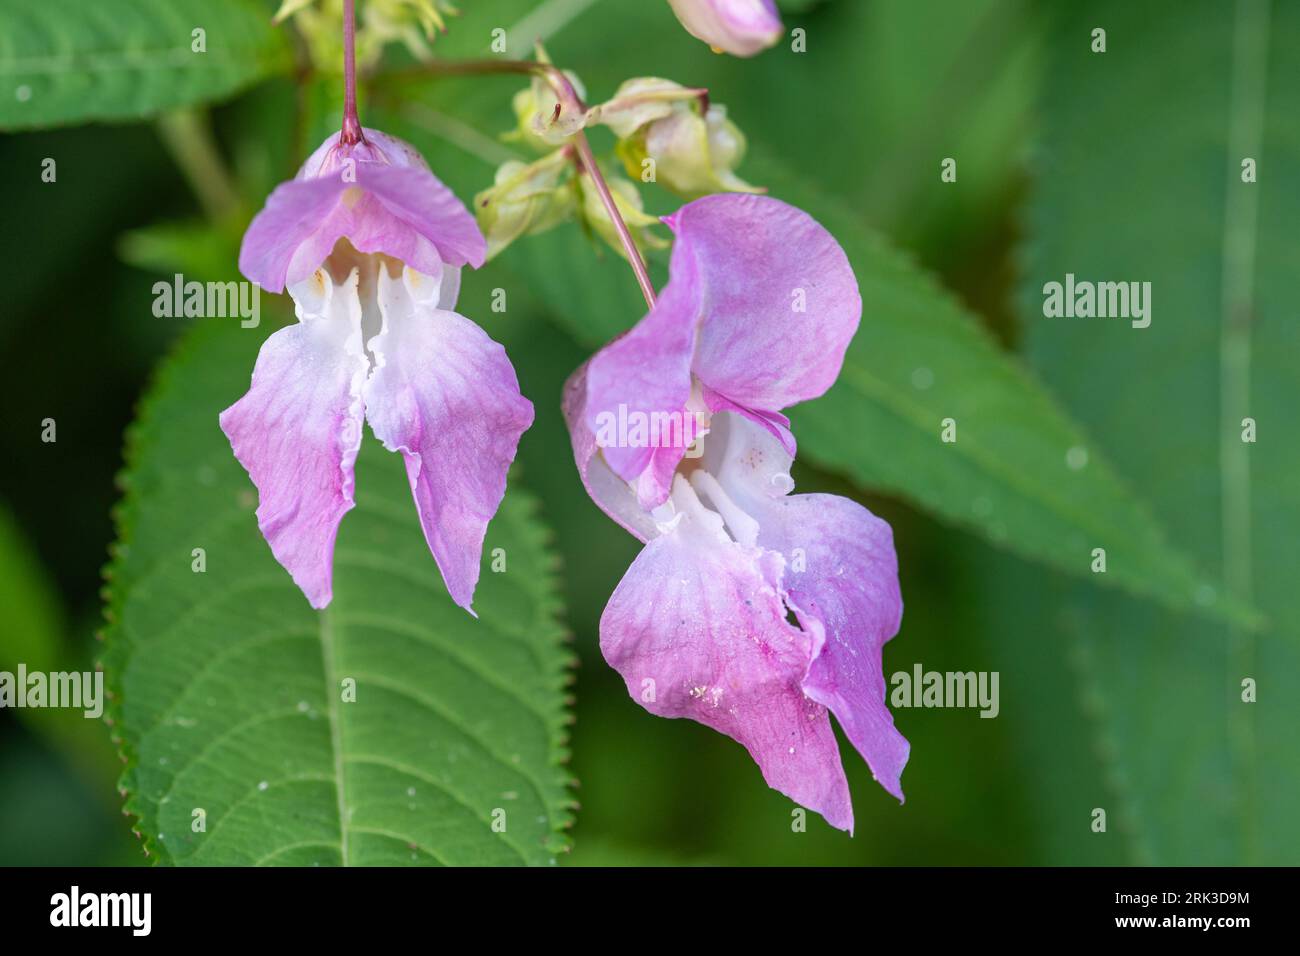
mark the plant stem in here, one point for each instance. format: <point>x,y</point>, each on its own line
<point>624,235</point>
<point>351,134</point>
<point>568,98</point>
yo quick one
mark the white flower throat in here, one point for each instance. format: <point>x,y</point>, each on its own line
<point>724,486</point>
<point>359,298</point>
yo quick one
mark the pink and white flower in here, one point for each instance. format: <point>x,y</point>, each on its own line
<point>751,610</point>
<point>370,245</point>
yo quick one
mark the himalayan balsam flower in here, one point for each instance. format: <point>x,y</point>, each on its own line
<point>758,311</point>
<point>370,245</point>
<point>738,27</point>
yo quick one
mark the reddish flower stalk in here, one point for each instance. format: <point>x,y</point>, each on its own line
<point>351,123</point>
<point>566,93</point>
<point>625,237</point>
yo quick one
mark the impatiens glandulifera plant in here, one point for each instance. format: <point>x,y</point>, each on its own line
<point>751,610</point>
<point>370,244</point>
<point>720,525</point>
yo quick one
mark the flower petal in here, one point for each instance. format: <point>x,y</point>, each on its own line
<point>298,428</point>
<point>697,629</point>
<point>748,459</point>
<point>848,589</point>
<point>775,423</point>
<point>611,493</point>
<point>419,199</point>
<point>380,195</point>
<point>290,220</point>
<point>739,27</point>
<point>644,377</point>
<point>445,396</point>
<point>778,299</point>
<point>841,578</point>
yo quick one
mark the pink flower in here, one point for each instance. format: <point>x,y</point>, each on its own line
<point>758,311</point>
<point>370,244</point>
<point>739,27</point>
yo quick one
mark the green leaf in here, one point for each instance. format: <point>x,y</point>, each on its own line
<point>227,685</point>
<point>67,61</point>
<point>1141,180</point>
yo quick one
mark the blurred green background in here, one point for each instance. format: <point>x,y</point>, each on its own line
<point>887,88</point>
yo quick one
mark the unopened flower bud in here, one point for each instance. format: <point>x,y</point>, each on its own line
<point>527,198</point>
<point>642,100</point>
<point>738,27</point>
<point>694,147</point>
<point>414,23</point>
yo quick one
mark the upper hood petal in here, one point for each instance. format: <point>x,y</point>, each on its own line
<point>777,299</point>
<point>445,395</point>
<point>416,197</point>
<point>379,194</point>
<point>377,147</point>
<point>298,428</point>
<point>291,220</point>
<point>759,308</point>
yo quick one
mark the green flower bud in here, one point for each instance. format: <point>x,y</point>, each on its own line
<point>643,100</point>
<point>527,198</point>
<point>667,134</point>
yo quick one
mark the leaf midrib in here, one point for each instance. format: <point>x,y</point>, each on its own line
<point>332,701</point>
